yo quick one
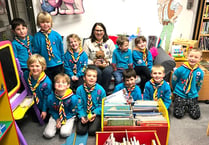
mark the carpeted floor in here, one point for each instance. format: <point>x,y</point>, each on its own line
<point>182,132</point>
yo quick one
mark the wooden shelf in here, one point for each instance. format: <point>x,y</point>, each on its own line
<point>204,35</point>
<point>206,18</point>
<point>205,51</point>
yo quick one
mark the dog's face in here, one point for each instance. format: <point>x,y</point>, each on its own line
<point>100,54</point>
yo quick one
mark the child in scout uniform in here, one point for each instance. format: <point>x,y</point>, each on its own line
<point>48,43</point>
<point>75,61</point>
<point>129,84</point>
<point>142,60</point>
<point>22,43</point>
<point>38,82</point>
<point>62,108</point>
<point>89,108</point>
<point>121,59</point>
<point>157,87</point>
<point>187,81</point>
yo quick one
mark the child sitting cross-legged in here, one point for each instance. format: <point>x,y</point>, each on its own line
<point>129,84</point>
<point>89,108</point>
<point>62,107</point>
<point>157,87</point>
<point>187,81</point>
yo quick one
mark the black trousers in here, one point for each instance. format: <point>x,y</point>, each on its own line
<point>75,84</point>
<point>51,72</point>
<point>144,73</point>
<point>90,127</point>
<point>182,106</point>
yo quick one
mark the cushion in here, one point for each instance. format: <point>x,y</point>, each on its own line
<point>165,60</point>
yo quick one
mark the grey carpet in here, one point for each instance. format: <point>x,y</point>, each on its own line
<point>185,131</point>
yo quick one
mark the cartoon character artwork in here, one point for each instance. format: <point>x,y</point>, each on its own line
<point>54,6</point>
<point>168,12</point>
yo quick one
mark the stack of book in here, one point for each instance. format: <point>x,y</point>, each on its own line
<point>116,110</point>
<point>116,114</point>
<point>147,111</point>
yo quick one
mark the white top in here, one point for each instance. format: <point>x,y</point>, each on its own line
<point>91,49</point>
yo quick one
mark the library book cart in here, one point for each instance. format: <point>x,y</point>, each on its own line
<point>151,129</point>
<point>8,133</point>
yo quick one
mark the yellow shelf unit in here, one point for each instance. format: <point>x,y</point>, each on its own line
<point>9,136</point>
<point>162,130</point>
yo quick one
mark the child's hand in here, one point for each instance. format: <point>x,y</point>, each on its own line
<point>58,125</point>
<point>84,120</point>
<point>102,65</point>
<point>43,115</point>
<point>74,78</point>
<point>97,63</point>
<point>92,117</point>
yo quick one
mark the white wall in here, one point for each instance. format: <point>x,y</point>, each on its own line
<point>122,17</point>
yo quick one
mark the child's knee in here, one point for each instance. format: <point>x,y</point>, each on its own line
<point>65,133</point>
<point>81,131</point>
<point>49,134</point>
<point>194,112</point>
<point>178,113</point>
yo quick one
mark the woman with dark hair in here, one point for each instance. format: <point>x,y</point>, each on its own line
<point>99,41</point>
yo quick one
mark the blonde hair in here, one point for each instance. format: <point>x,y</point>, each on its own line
<point>37,58</point>
<point>74,36</point>
<point>43,17</point>
<point>158,67</point>
<point>62,75</point>
<point>195,50</point>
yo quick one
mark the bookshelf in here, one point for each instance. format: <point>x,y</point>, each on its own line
<point>8,133</point>
<point>203,34</point>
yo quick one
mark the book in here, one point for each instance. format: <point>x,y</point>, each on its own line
<point>119,121</point>
<point>146,103</point>
<point>147,114</point>
<point>117,97</point>
<point>145,109</point>
<point>150,118</point>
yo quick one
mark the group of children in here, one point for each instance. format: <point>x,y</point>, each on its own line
<point>64,86</point>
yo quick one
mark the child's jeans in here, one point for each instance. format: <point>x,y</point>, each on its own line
<point>182,105</point>
<point>65,129</point>
<point>118,75</point>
